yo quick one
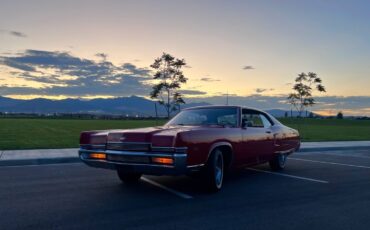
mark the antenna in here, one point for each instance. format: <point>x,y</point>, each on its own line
<point>227,97</point>
<point>156,113</point>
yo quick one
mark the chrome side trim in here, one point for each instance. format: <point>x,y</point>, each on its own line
<point>195,166</point>
<point>285,151</point>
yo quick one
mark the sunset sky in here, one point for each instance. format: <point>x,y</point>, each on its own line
<point>250,49</point>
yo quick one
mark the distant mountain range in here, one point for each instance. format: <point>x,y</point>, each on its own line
<point>131,106</point>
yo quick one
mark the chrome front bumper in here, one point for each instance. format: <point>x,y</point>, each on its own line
<point>138,162</point>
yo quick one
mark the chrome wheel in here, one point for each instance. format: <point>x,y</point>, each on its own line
<point>213,173</point>
<point>282,160</point>
<point>278,162</point>
<point>219,169</point>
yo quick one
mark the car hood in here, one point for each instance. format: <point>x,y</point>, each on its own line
<point>157,136</point>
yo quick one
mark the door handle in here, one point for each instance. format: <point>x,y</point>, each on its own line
<point>268,131</point>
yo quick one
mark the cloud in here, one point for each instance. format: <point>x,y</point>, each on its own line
<point>208,79</point>
<point>192,92</point>
<point>261,90</point>
<point>18,34</point>
<point>351,104</point>
<point>248,67</point>
<point>61,73</point>
<point>102,56</point>
<point>14,33</point>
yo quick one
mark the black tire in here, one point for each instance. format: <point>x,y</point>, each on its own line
<point>128,178</point>
<point>278,162</point>
<point>213,174</point>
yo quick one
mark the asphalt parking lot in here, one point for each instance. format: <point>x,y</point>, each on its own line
<point>322,190</point>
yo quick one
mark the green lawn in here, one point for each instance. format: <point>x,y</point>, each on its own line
<point>57,133</point>
<point>330,129</point>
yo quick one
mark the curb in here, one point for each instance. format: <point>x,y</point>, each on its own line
<point>41,161</point>
<point>64,160</point>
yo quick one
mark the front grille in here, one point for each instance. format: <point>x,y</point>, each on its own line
<point>145,147</point>
<point>128,159</point>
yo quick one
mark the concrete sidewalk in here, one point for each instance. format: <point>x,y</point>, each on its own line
<point>53,156</point>
<point>333,145</point>
<point>38,156</point>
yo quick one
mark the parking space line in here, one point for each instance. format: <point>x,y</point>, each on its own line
<point>330,163</point>
<point>288,175</point>
<point>343,155</point>
<point>177,193</point>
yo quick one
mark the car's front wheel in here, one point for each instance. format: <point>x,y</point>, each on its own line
<point>278,162</point>
<point>128,178</point>
<point>214,172</point>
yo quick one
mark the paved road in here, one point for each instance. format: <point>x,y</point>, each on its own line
<point>318,190</point>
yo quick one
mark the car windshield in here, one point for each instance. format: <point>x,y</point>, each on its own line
<point>209,116</point>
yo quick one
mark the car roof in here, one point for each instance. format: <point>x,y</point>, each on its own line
<point>212,107</point>
<point>222,106</point>
<point>274,120</point>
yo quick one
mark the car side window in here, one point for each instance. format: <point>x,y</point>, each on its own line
<point>265,121</point>
<point>229,120</point>
<point>252,118</point>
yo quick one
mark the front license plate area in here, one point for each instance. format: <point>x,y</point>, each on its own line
<point>128,159</point>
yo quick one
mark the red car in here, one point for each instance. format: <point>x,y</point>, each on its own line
<point>208,140</point>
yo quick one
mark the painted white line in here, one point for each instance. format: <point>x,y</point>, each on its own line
<point>330,163</point>
<point>335,154</point>
<point>288,175</point>
<point>52,164</point>
<point>180,194</point>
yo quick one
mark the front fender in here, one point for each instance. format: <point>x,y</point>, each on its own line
<point>221,144</point>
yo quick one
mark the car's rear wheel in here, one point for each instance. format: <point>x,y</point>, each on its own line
<point>278,162</point>
<point>214,172</point>
<point>128,178</point>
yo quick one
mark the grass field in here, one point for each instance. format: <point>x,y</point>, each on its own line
<point>57,133</point>
<point>330,129</point>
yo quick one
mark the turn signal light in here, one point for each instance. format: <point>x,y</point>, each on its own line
<point>100,156</point>
<point>162,160</point>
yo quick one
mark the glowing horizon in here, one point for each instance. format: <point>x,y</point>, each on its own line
<point>243,48</point>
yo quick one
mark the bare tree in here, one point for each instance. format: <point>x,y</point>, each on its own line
<point>302,97</point>
<point>170,78</point>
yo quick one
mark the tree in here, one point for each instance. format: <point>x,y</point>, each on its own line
<point>169,79</point>
<point>301,98</point>
<point>340,115</point>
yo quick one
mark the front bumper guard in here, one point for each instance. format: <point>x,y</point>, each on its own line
<point>178,167</point>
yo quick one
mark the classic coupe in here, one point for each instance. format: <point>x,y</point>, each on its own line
<point>205,141</point>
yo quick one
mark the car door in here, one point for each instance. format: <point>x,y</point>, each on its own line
<point>268,142</point>
<point>257,137</point>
